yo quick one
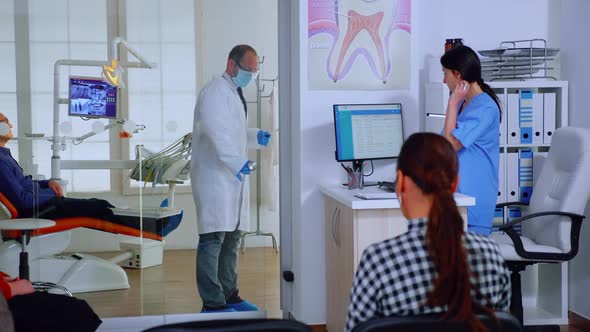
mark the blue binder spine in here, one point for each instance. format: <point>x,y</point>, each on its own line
<point>498,221</point>
<point>525,116</point>
<point>515,212</point>
<point>525,175</point>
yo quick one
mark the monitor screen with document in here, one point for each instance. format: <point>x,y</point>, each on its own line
<point>368,131</point>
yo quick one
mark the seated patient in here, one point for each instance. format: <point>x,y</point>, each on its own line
<point>31,196</point>
<point>436,267</point>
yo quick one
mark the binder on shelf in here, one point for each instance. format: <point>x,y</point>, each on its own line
<point>501,180</point>
<point>498,221</point>
<point>537,118</point>
<point>525,117</point>
<point>549,110</point>
<point>525,175</point>
<point>513,213</point>
<point>512,112</point>
<point>511,175</point>
<point>502,121</point>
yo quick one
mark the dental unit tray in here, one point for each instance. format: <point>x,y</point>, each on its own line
<point>518,59</point>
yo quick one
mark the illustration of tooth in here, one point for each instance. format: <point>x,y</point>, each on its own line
<point>401,17</point>
<point>359,30</point>
<point>356,23</point>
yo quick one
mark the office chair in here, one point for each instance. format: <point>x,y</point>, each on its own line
<point>427,323</point>
<point>235,325</point>
<point>551,228</point>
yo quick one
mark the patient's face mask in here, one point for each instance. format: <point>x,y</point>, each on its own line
<point>244,76</point>
<point>4,129</point>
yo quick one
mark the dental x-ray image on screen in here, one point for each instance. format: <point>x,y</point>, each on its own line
<point>92,97</point>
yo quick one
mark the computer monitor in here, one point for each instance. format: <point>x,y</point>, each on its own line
<point>368,131</point>
<point>92,97</point>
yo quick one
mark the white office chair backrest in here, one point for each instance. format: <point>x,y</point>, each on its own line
<point>563,185</point>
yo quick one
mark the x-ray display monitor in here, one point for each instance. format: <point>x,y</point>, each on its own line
<point>92,97</point>
<point>368,131</point>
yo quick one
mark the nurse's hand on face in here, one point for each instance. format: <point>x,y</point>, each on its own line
<point>263,137</point>
<point>245,170</point>
<point>459,92</point>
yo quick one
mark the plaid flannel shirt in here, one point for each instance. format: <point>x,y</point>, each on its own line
<point>395,277</point>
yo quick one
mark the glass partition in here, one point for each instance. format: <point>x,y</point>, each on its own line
<point>132,249</point>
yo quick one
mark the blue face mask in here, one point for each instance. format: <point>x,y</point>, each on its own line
<point>243,78</point>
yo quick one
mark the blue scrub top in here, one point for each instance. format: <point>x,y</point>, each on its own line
<point>478,129</point>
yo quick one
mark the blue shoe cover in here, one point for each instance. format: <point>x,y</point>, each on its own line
<point>203,311</point>
<point>243,306</point>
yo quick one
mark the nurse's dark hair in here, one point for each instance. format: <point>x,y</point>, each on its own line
<point>431,162</point>
<point>237,53</point>
<point>464,60</point>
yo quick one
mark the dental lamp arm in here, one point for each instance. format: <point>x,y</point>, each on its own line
<point>92,133</point>
<point>114,54</point>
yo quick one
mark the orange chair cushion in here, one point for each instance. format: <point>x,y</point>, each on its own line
<point>66,224</point>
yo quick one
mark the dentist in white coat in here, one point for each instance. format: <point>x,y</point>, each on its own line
<point>220,164</point>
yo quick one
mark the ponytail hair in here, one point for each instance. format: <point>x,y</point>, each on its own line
<point>431,162</point>
<point>464,60</point>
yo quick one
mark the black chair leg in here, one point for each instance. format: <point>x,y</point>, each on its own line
<point>516,297</point>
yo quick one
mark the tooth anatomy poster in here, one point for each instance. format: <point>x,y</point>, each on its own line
<point>359,44</point>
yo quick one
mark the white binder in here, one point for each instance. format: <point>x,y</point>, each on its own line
<point>501,180</point>
<point>512,193</point>
<point>537,118</point>
<point>512,126</point>
<point>549,105</point>
<point>502,119</point>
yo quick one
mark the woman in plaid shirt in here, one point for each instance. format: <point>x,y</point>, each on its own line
<point>436,267</point>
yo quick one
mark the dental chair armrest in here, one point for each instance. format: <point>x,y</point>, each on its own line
<point>502,205</point>
<point>574,236</point>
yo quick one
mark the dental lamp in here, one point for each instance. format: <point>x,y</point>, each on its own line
<point>113,73</point>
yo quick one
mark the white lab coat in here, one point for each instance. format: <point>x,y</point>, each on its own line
<point>219,150</point>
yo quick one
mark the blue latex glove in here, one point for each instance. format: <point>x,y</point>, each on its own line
<point>263,137</point>
<point>245,170</point>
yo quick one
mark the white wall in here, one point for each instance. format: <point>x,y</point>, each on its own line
<point>576,70</point>
<point>482,25</point>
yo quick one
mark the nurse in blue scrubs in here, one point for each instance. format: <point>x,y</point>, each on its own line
<point>472,125</point>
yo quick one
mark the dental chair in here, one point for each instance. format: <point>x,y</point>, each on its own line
<point>81,273</point>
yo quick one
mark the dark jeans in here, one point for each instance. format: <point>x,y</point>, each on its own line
<point>217,267</point>
<point>63,207</point>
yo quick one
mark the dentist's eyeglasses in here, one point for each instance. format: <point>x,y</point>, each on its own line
<point>254,72</point>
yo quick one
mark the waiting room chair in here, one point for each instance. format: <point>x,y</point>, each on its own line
<point>551,228</point>
<point>235,325</point>
<point>427,323</point>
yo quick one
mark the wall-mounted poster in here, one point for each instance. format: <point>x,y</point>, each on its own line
<point>359,44</point>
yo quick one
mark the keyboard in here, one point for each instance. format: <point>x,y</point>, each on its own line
<point>387,186</point>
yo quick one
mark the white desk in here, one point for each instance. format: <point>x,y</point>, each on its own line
<point>352,224</point>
